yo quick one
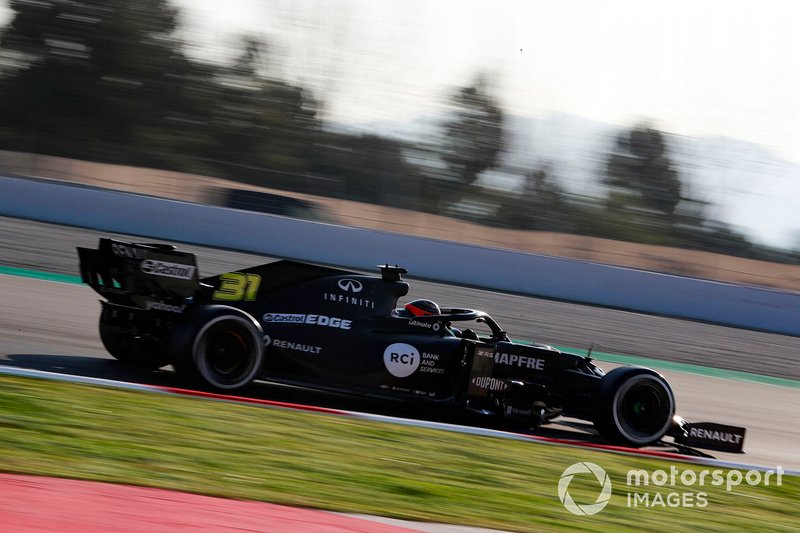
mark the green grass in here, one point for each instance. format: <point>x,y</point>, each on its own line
<point>328,462</point>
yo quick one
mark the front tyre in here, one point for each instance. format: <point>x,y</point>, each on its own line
<point>634,406</point>
<point>221,347</point>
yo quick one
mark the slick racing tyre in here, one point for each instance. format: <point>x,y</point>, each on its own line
<point>218,347</point>
<point>634,406</point>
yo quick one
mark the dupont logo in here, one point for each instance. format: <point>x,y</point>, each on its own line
<point>488,383</point>
<point>167,270</point>
<point>350,285</point>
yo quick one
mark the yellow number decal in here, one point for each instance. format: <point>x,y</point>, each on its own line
<point>236,286</point>
<point>253,282</point>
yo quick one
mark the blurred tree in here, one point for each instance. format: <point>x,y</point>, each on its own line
<point>370,168</point>
<point>260,121</point>
<point>542,205</point>
<point>376,170</point>
<point>473,137</point>
<point>96,78</point>
<point>641,176</point>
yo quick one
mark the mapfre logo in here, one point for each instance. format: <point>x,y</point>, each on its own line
<point>350,285</point>
<point>401,359</point>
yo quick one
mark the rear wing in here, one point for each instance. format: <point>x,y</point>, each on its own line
<point>145,275</point>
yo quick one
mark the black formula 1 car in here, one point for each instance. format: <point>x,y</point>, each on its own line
<point>331,329</point>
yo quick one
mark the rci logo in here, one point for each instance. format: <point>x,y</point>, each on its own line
<point>584,468</point>
<point>401,359</point>
<point>350,285</point>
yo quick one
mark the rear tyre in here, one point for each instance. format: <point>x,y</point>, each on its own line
<point>218,347</point>
<point>634,406</point>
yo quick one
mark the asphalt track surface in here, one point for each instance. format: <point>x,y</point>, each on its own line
<point>53,326</point>
<point>51,248</point>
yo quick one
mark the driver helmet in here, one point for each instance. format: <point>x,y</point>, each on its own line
<point>423,308</point>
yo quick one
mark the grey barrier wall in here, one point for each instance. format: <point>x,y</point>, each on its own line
<point>451,262</point>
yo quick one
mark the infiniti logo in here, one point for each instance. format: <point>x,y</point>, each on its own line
<point>350,285</point>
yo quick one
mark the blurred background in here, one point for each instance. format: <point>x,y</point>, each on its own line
<point>661,135</point>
